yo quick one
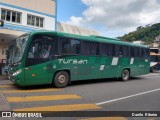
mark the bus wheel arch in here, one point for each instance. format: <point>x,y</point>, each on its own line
<point>61,78</point>
<point>125,75</point>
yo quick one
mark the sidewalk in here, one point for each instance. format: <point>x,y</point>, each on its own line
<point>3,77</point>
<point>4,105</point>
<point>4,80</point>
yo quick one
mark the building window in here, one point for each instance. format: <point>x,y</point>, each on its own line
<point>4,52</point>
<point>35,21</point>
<point>10,16</point>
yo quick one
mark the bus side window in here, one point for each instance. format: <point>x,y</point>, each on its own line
<point>143,54</point>
<point>107,49</point>
<point>132,52</point>
<point>70,46</point>
<point>75,47</point>
<point>137,51</point>
<point>147,52</point>
<point>65,46</point>
<point>86,48</point>
<point>119,51</point>
<point>94,48</point>
<point>125,51</point>
<point>103,51</point>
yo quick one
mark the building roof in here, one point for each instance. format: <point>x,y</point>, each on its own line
<point>67,28</point>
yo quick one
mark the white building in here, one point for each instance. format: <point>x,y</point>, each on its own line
<point>20,16</point>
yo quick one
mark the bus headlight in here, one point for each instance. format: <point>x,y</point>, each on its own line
<point>17,72</point>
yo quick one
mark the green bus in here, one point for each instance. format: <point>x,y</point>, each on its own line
<point>46,57</point>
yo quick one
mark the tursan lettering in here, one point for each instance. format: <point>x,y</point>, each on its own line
<point>72,61</point>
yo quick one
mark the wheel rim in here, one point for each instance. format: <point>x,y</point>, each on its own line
<point>61,79</point>
<point>125,75</point>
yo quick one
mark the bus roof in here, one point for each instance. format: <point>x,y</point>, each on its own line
<point>89,38</point>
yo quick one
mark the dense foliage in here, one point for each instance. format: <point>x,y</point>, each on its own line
<point>146,34</point>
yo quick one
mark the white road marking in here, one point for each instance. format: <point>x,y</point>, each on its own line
<point>150,75</point>
<point>157,76</point>
<point>122,98</point>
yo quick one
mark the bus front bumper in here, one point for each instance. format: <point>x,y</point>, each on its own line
<point>16,79</point>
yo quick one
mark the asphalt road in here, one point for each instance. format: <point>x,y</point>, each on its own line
<point>138,94</point>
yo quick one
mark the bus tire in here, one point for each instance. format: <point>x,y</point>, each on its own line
<point>125,75</point>
<point>61,79</point>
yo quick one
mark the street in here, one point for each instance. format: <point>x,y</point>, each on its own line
<point>140,93</point>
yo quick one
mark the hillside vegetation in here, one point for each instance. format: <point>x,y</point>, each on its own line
<point>146,34</point>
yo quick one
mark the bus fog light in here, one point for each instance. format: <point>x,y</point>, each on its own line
<point>17,72</point>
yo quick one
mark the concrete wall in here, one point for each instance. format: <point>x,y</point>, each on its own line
<point>46,6</point>
<point>3,47</point>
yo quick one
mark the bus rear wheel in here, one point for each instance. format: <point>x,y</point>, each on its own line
<point>125,75</point>
<point>61,79</point>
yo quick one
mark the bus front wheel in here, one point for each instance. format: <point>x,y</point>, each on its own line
<point>61,79</point>
<point>125,75</point>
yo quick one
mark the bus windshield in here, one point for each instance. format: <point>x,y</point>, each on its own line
<point>18,48</point>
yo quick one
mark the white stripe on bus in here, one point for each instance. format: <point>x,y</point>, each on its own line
<point>132,61</point>
<point>115,61</point>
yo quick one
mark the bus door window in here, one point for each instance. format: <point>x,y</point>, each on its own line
<point>41,50</point>
<point>45,51</point>
<point>31,51</point>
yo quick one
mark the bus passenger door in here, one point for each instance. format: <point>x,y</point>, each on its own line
<point>38,60</point>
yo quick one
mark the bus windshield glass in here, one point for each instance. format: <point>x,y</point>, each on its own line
<point>18,49</point>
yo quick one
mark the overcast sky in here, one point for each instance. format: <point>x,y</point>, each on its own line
<point>111,18</point>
